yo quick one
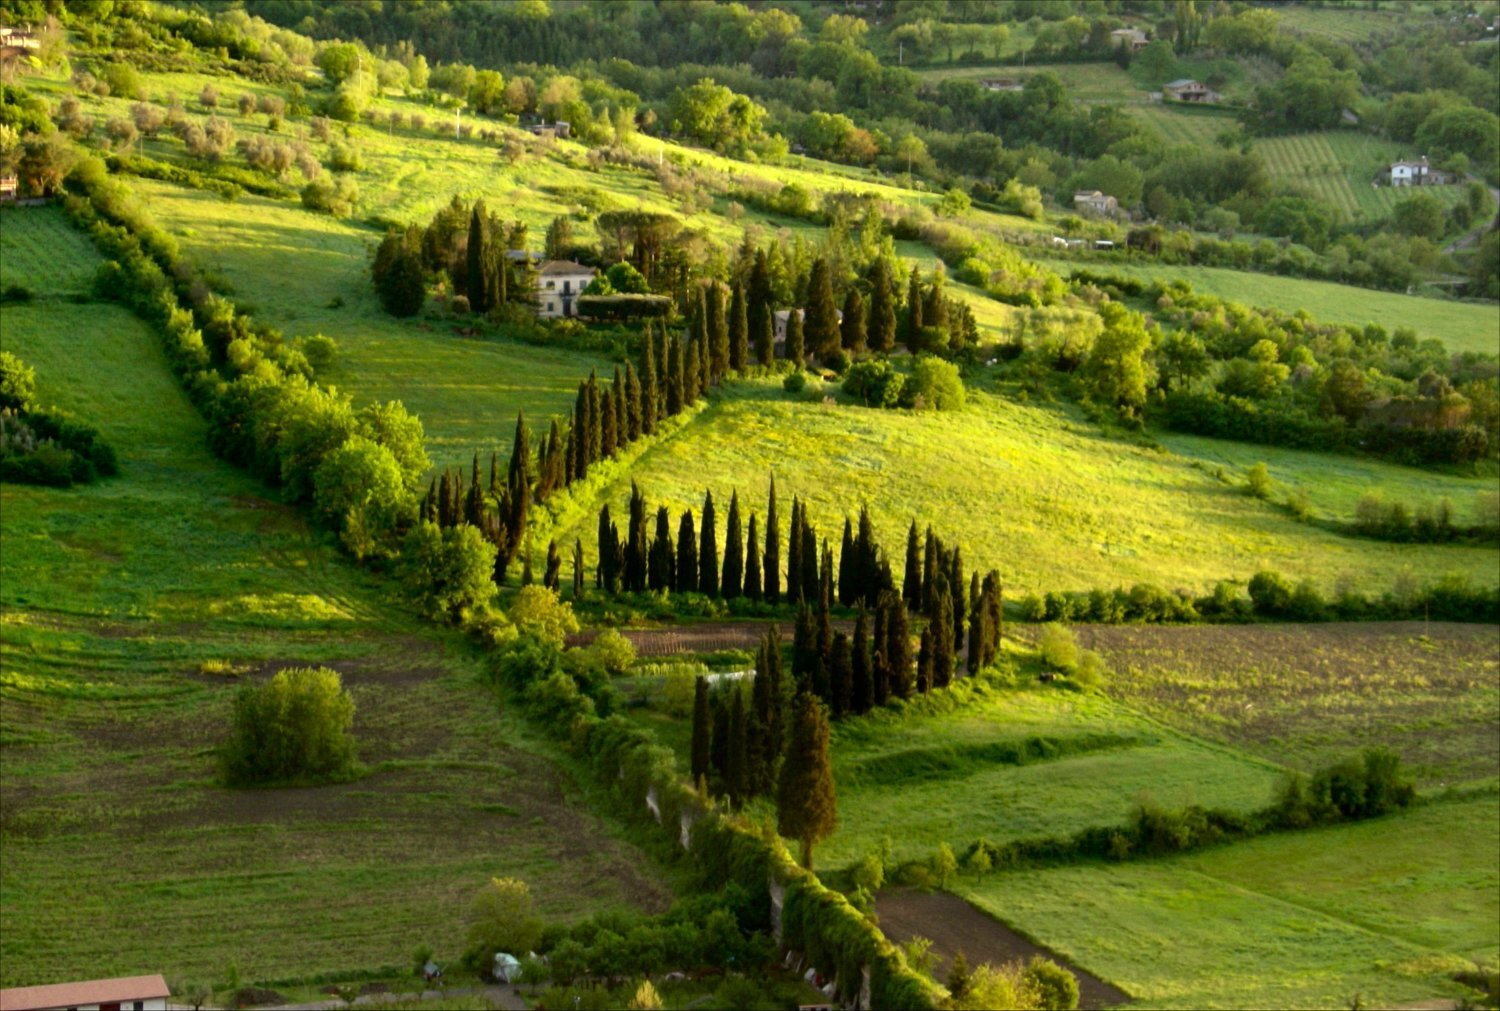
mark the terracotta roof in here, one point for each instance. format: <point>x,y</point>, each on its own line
<point>564,267</point>
<point>93,991</point>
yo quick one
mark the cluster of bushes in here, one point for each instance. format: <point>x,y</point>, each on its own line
<point>40,447</point>
<point>1352,789</point>
<point>1375,516</point>
<point>293,728</point>
<point>932,383</point>
<point>1268,595</point>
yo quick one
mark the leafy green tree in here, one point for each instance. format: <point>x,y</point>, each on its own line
<point>17,383</point>
<point>714,115</point>
<point>296,726</point>
<point>1117,372</point>
<point>359,491</point>
<point>626,280</point>
<point>502,919</point>
<point>541,613</point>
<point>448,573</point>
<point>1419,214</point>
<point>938,383</point>
<point>806,809</point>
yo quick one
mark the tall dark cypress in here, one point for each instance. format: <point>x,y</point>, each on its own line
<point>636,539</point>
<point>811,578</point>
<point>930,568</point>
<point>978,636</point>
<point>861,684</point>
<point>718,332</point>
<point>956,587</point>
<point>911,583</point>
<point>552,579</point>
<point>739,329</point>
<point>702,730</point>
<point>868,554</point>
<point>796,345</point>
<point>882,321</point>
<point>753,585</point>
<point>924,660</point>
<point>718,746</point>
<point>595,431</point>
<point>736,761</point>
<point>692,377</point>
<point>913,332</point>
<point>687,555</point>
<point>675,399</point>
<point>880,671</point>
<point>898,651</point>
<point>609,429</point>
<point>765,701</point>
<point>660,572</point>
<point>848,564</point>
<point>649,391</point>
<point>475,257</point>
<point>619,395</point>
<point>708,550</point>
<point>771,571</point>
<point>852,326</point>
<point>578,569</point>
<point>942,637</point>
<point>733,581</point>
<point>822,322</point>
<point>840,675</point>
<point>760,309</point>
<point>633,410</point>
<point>794,553</point>
<point>518,481</point>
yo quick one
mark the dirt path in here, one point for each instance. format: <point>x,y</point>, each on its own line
<point>1472,236</point>
<point>953,925</point>
<point>700,637</point>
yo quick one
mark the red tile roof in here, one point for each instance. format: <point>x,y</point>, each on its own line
<point>93,991</point>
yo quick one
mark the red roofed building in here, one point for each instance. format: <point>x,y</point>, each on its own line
<point>131,993</point>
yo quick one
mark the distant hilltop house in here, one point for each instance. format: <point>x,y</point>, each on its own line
<point>10,188</point>
<point>1095,202</point>
<point>1132,39</point>
<point>1003,84</point>
<point>132,993</point>
<point>1187,90</point>
<point>558,285</point>
<point>779,320</point>
<point>14,44</point>
<point>560,129</point>
<point>1415,173</point>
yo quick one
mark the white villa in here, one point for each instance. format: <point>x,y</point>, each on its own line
<point>558,285</point>
<point>1095,202</point>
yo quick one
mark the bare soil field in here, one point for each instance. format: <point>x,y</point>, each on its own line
<point>1306,694</point>
<point>953,925</point>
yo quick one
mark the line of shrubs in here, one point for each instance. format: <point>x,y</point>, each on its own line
<point>41,447</point>
<point>1352,789</point>
<point>723,849</point>
<point>1270,596</point>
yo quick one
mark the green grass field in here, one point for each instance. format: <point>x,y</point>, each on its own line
<point>1033,490</point>
<point>1088,82</point>
<point>923,779</point>
<point>1179,125</point>
<point>1463,326</point>
<point>121,601</point>
<point>1384,911</point>
<point>1309,695</point>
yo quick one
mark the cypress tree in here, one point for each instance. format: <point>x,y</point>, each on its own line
<point>882,324</point>
<point>898,651</point>
<point>760,306</point>
<point>805,802</point>
<point>733,581</point>
<point>475,257</point>
<point>956,588</point>
<point>718,332</point>
<point>930,568</point>
<point>880,671</point>
<point>840,675</point>
<point>772,569</point>
<point>649,393</point>
<point>702,730</point>
<point>577,569</point>
<point>913,333</point>
<point>708,550</point>
<point>687,555</point>
<point>825,582</point>
<point>794,554</point>
<point>868,554</point>
<point>609,430</point>
<point>739,329</point>
<point>662,573</point>
<point>822,323</point>
<point>911,583</point>
<point>978,636</point>
<point>753,587</point>
<point>633,412</point>
<point>924,660</point>
<point>595,431</point>
<point>810,577</point>
<point>636,541</point>
<point>935,303</point>
<point>804,647</point>
<point>765,702</point>
<point>526,577</point>
<point>692,382</point>
<point>518,480</point>
<point>861,683</point>
<point>942,638</point>
<point>852,327</point>
<point>736,761</point>
<point>674,401</point>
<point>847,566</point>
<point>796,347</point>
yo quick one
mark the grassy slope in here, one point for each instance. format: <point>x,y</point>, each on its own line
<point>1463,326</point>
<point>115,594</point>
<point>1032,490</point>
<point>1383,909</point>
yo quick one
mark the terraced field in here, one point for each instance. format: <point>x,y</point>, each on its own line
<point>1337,167</point>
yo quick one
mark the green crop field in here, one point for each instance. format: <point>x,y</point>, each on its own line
<point>1350,24</point>
<point>922,779</point>
<point>1382,912</point>
<point>1463,326</point>
<point>130,609</point>
<point>1033,490</point>
<point>1195,127</point>
<point>1088,82</point>
<point>1307,695</point>
<point>1338,168</point>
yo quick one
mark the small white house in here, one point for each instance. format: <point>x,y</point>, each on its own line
<point>1409,173</point>
<point>558,285</point>
<point>780,318</point>
<point>1132,39</point>
<point>1095,202</point>
<point>131,993</point>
